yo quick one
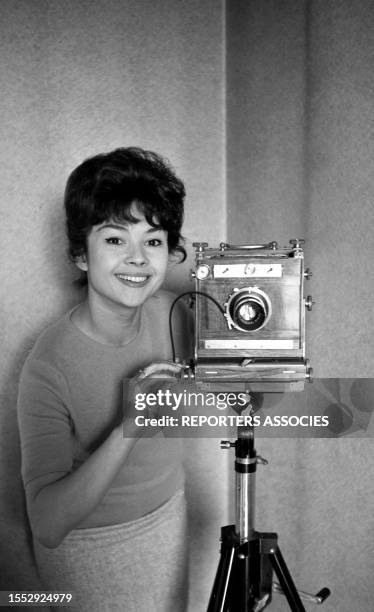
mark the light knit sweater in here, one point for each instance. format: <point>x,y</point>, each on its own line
<point>70,397</point>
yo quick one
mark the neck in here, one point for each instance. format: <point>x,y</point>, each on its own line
<point>104,325</point>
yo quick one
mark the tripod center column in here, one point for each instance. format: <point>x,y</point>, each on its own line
<point>245,468</point>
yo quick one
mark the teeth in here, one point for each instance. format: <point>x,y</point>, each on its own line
<point>133,279</point>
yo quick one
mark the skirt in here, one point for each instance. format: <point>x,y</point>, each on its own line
<point>139,566</point>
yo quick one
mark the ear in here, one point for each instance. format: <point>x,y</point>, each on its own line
<point>174,259</point>
<point>171,261</point>
<point>81,262</point>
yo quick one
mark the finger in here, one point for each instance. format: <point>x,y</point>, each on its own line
<point>163,367</point>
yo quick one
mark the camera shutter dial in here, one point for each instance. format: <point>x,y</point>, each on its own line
<point>202,271</point>
<point>248,309</point>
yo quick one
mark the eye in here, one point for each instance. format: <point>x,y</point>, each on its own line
<point>155,242</point>
<point>114,240</point>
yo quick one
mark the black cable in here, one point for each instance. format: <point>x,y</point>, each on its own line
<point>172,307</point>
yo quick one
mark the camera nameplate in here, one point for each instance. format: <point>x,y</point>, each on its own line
<point>248,270</point>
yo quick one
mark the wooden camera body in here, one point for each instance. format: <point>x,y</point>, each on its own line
<point>250,316</point>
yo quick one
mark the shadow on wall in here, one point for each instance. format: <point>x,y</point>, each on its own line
<point>16,564</point>
<point>43,296</point>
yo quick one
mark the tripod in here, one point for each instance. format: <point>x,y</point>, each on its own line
<point>243,581</point>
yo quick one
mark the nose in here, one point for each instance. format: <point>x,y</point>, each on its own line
<point>136,255</point>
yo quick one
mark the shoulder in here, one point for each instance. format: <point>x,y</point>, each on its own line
<point>53,341</point>
<point>46,374</point>
<point>55,347</point>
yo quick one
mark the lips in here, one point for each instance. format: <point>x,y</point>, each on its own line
<point>133,280</point>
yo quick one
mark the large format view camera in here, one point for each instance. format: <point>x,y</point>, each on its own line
<point>250,334</point>
<point>250,316</point>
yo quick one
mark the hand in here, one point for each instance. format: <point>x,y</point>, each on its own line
<point>160,369</point>
<point>155,377</point>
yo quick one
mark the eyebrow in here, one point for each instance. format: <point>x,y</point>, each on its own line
<point>124,227</point>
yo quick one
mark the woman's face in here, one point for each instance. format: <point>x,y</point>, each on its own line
<point>126,263</point>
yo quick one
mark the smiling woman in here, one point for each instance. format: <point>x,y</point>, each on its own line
<point>91,482</point>
<point>103,189</point>
<point>125,264</point>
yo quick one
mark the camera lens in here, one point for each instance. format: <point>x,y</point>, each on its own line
<point>250,313</point>
<point>248,309</point>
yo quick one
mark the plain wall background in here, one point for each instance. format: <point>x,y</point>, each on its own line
<point>300,164</point>
<point>265,108</point>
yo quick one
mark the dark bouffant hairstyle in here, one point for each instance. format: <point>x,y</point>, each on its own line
<point>105,186</point>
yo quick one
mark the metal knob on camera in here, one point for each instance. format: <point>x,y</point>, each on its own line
<point>200,248</point>
<point>308,371</point>
<point>297,248</point>
<point>297,242</point>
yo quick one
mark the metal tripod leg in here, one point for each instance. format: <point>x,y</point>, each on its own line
<point>219,599</point>
<point>286,582</point>
<point>244,575</point>
<point>243,581</point>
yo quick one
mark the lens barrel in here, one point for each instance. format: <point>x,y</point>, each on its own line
<point>248,309</point>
